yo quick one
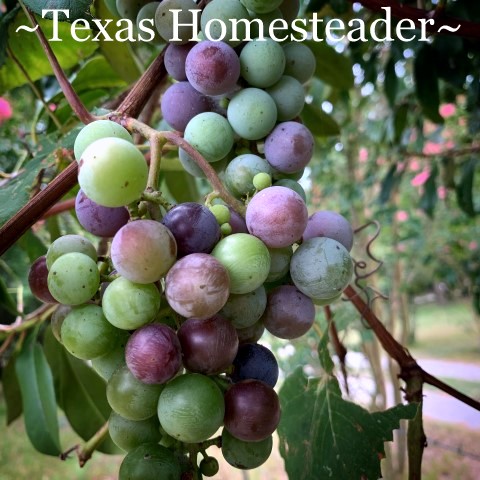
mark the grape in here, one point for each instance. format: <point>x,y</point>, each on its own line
<point>221,213</point>
<point>278,216</point>
<point>208,346</point>
<point>129,305</point>
<point>252,410</point>
<point>210,134</point>
<point>98,220</point>
<point>73,279</point>
<point>241,171</point>
<point>70,244</point>
<point>296,176</point>
<point>95,131</point>
<point>245,310</point>
<point>289,313</point>
<point>321,268</point>
<point>150,462</point>
<point>197,286</point>
<point>129,434</point>
<point>112,172</point>
<point>226,229</point>
<point>131,398</point>
<point>192,168</point>
<point>261,6</point>
<point>37,280</point>
<point>289,9</point>
<point>246,259</point>
<point>245,455</point>
<point>130,8</point>
<point>194,227</point>
<point>262,62</point>
<point>174,60</point>
<point>164,20</point>
<point>252,113</point>
<point>293,185</point>
<point>251,334</point>
<point>327,301</point>
<point>56,321</point>
<point>262,180</point>
<point>213,68</point>
<point>289,147</point>
<point>289,96</point>
<point>153,354</point>
<point>209,466</point>
<point>180,103</point>
<point>326,223</point>
<point>112,7</point>
<point>147,12</point>
<point>255,362</point>
<point>143,251</point>
<point>86,333</point>
<point>115,358</point>
<point>262,29</point>
<point>191,408</point>
<point>279,263</point>
<point>237,222</point>
<point>225,11</point>
<point>300,62</point>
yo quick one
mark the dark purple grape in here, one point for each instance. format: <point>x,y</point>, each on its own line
<point>252,410</point>
<point>208,346</point>
<point>237,222</point>
<point>326,223</point>
<point>289,147</point>
<point>194,227</point>
<point>37,280</point>
<point>174,60</point>
<point>98,220</point>
<point>213,68</point>
<point>289,313</point>
<point>180,103</point>
<point>251,334</point>
<point>255,362</point>
<point>153,354</point>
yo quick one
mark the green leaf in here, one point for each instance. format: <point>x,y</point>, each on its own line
<point>320,123</point>
<point>182,186</point>
<point>426,83</point>
<point>76,8</point>
<point>464,189</point>
<point>316,5</point>
<point>80,391</point>
<point>324,355</point>
<point>6,300</point>
<point>389,183</point>
<point>32,245</point>
<point>430,197</point>
<point>5,21</point>
<point>319,428</point>
<point>391,81</point>
<point>400,122</point>
<point>38,397</point>
<point>11,391</point>
<point>332,67</point>
<point>97,73</point>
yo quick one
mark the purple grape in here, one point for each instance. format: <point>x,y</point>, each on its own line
<point>98,220</point>
<point>37,280</point>
<point>194,227</point>
<point>213,68</point>
<point>208,346</point>
<point>153,354</point>
<point>289,313</point>
<point>326,223</point>
<point>278,216</point>
<point>255,362</point>
<point>180,103</point>
<point>237,222</point>
<point>174,60</point>
<point>289,147</point>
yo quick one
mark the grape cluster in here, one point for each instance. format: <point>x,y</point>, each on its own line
<point>171,317</point>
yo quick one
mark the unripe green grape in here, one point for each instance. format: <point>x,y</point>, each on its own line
<point>209,466</point>
<point>115,358</point>
<point>245,310</point>
<point>226,229</point>
<point>261,6</point>
<point>147,12</point>
<point>221,212</point>
<point>245,455</point>
<point>266,20</point>
<point>262,180</point>
<point>289,96</point>
<point>241,171</point>
<point>73,279</point>
<point>56,321</point>
<point>293,185</point>
<point>87,334</point>
<point>112,7</point>
<point>112,172</point>
<point>97,130</point>
<point>164,20</point>
<point>130,8</point>
<point>70,244</point>
<point>327,301</point>
<point>193,169</point>
<point>280,263</point>
<point>300,61</point>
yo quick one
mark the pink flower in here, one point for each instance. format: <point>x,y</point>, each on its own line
<point>420,179</point>
<point>402,216</point>
<point>432,148</point>
<point>414,165</point>
<point>401,247</point>
<point>447,110</point>
<point>363,155</point>
<point>473,245</point>
<point>5,110</point>
<point>442,192</point>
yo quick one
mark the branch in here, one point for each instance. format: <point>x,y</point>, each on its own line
<point>467,29</point>
<point>60,208</point>
<point>37,316</point>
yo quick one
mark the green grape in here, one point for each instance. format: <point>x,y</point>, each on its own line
<point>164,20</point>
<point>193,169</point>
<point>245,455</point>
<point>147,12</point>
<point>221,212</point>
<point>226,229</point>
<point>129,305</point>
<point>73,279</point>
<point>112,7</point>
<point>95,131</point>
<point>262,62</point>
<point>70,244</point>
<point>56,321</point>
<point>209,466</point>
<point>252,113</point>
<point>245,310</point>
<point>293,185</point>
<point>327,301</point>
<point>246,259</point>
<point>300,61</point>
<point>87,334</point>
<point>289,96</point>
<point>131,398</point>
<point>210,134</point>
<point>296,176</point>
<point>129,434</point>
<point>115,358</point>
<point>112,172</point>
<point>261,6</point>
<point>262,180</point>
<point>266,20</point>
<point>191,408</point>
<point>130,8</point>
<point>150,462</point>
<point>280,263</point>
<point>241,171</point>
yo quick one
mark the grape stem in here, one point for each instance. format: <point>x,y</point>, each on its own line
<point>36,317</point>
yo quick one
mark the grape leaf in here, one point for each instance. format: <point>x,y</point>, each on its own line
<point>391,81</point>
<point>320,123</point>
<point>6,300</point>
<point>76,8</point>
<point>318,429</point>
<point>11,391</point>
<point>464,189</point>
<point>5,21</point>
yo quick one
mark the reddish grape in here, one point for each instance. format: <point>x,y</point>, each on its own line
<point>37,280</point>
<point>174,60</point>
